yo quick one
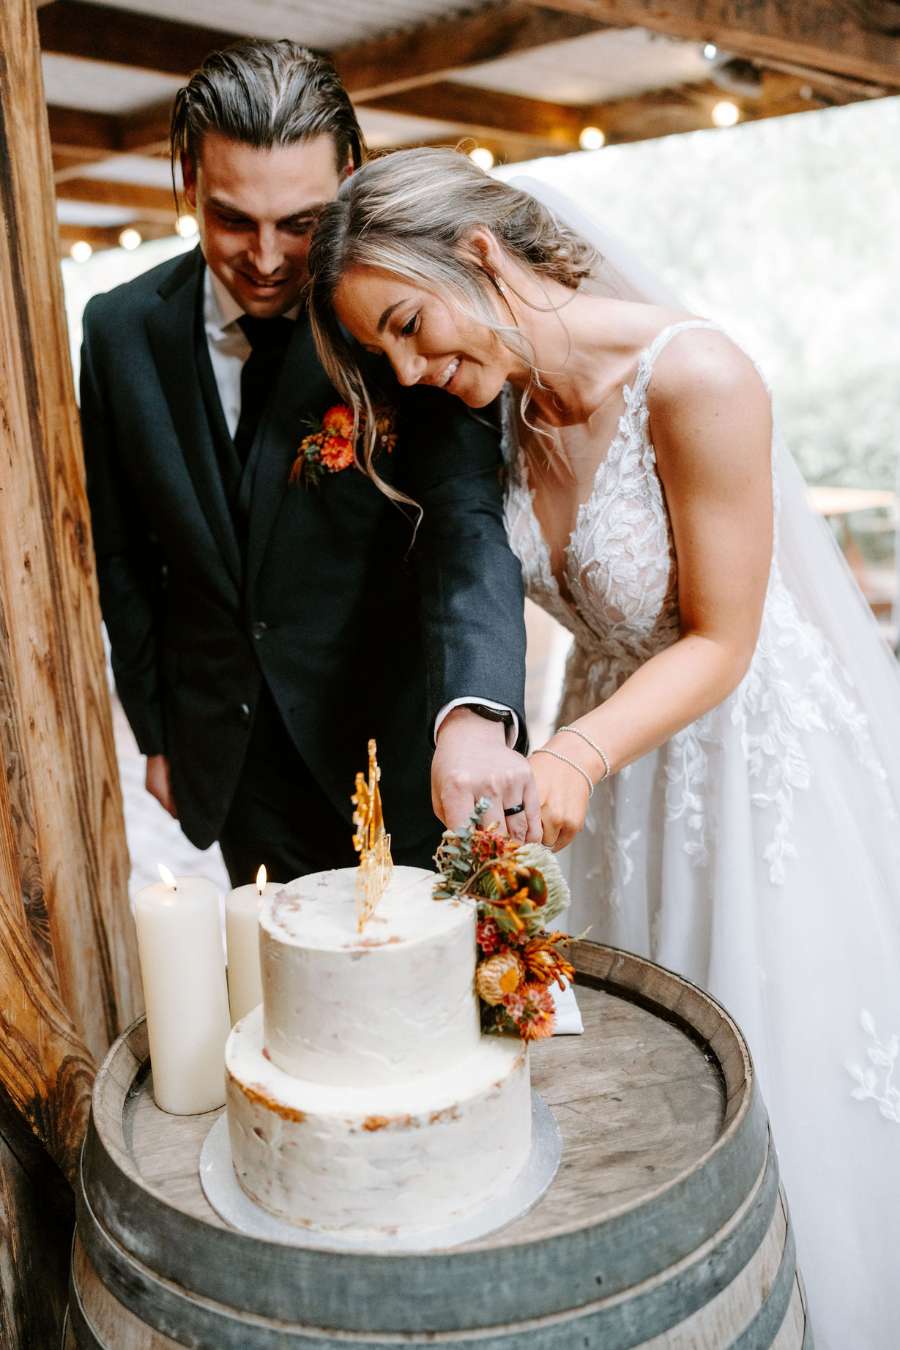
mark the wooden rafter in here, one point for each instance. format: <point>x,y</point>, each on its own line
<point>155,203</point>
<point>382,66</point>
<point>368,69</point>
<point>856,39</point>
<point>485,111</point>
<point>126,37</point>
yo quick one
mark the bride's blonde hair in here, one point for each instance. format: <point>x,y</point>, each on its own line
<point>411,213</point>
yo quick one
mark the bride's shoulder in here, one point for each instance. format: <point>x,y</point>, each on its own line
<point>696,364</point>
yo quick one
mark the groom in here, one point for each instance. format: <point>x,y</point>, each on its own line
<point>263,625</point>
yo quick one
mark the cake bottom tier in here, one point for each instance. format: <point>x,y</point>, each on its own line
<point>400,1158</point>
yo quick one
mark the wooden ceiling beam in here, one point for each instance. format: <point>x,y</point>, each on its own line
<point>107,236</point>
<point>648,116</point>
<point>486,111</point>
<point>369,69</point>
<point>381,66</point>
<point>855,38</point>
<point>126,37</point>
<point>155,203</point>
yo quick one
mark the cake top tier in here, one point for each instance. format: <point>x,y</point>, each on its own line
<point>319,911</point>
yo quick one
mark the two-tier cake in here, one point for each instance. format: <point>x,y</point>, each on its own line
<point>362,1096</point>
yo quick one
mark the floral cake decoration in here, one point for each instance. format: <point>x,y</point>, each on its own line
<point>518,889</point>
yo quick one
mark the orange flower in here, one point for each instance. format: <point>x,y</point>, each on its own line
<point>337,453</point>
<point>339,421</point>
<point>532,1011</point>
<point>545,963</point>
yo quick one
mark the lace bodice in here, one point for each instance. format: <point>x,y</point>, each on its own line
<point>621,576</point>
<point>620,567</point>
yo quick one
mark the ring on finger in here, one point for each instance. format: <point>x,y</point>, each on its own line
<point>514,810</point>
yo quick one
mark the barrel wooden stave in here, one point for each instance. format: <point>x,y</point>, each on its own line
<point>630,1267</point>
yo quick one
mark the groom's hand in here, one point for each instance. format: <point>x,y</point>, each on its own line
<point>472,760</point>
<point>156,781</point>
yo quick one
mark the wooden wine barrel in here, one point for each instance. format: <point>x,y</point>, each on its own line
<point>665,1227</point>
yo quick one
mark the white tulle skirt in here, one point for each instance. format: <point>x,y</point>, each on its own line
<point>758,854</point>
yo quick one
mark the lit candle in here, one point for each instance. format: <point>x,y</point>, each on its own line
<point>179,938</point>
<point>242,906</point>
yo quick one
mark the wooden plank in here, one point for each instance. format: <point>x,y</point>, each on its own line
<point>860,39</point>
<point>36,1221</point>
<point>486,110</point>
<point>68,976</point>
<point>370,68</point>
<point>127,37</point>
<point>382,66</point>
<point>77,131</point>
<point>663,112</point>
<point>155,203</point>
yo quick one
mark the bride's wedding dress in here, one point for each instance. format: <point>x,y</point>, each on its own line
<point>758,851</point>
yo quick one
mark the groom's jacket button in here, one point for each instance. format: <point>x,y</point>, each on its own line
<point>259,628</point>
<point>244,712</point>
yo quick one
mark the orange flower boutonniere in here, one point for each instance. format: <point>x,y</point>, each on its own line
<point>329,447</point>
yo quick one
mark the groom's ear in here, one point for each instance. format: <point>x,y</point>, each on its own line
<point>189,179</point>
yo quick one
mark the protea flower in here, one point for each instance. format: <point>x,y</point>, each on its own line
<point>540,858</point>
<point>499,976</point>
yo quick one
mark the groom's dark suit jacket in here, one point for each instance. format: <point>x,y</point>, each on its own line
<point>212,582</point>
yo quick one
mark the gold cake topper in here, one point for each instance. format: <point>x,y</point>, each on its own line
<point>371,842</point>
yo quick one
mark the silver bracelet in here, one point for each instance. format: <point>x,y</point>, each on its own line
<point>596,749</point>
<point>571,763</point>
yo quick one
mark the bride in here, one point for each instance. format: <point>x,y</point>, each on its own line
<point>727,764</point>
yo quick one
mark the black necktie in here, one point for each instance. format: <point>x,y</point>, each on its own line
<point>268,340</point>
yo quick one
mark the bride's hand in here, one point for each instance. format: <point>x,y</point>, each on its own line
<point>563,791</point>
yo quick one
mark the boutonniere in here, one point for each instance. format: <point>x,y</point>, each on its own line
<point>329,447</point>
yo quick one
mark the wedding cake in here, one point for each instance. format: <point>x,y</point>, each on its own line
<point>362,1096</point>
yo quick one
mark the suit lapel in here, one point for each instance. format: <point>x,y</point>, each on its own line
<point>171,328</point>
<point>302,388</point>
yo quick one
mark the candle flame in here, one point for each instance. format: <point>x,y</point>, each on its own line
<point>167,876</point>
<point>261,879</point>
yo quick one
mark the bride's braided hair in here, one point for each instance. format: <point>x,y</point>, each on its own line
<point>410,213</point>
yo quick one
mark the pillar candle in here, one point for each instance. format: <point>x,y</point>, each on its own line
<point>179,936</point>
<point>242,906</point>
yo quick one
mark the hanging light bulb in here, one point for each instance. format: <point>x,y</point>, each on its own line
<point>130,238</point>
<point>81,250</point>
<point>725,113</point>
<point>483,157</point>
<point>592,138</point>
<point>187,226</point>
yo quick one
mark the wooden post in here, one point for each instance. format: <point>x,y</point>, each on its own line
<point>68,973</point>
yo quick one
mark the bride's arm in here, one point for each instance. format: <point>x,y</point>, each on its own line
<point>711,426</point>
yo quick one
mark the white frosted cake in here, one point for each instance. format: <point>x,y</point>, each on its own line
<point>362,1096</point>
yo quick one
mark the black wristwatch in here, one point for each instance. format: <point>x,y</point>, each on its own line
<point>492,714</point>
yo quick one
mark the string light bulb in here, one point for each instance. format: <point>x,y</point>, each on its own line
<point>725,113</point>
<point>710,51</point>
<point>592,138</point>
<point>81,250</point>
<point>130,239</point>
<point>187,226</point>
<point>483,157</point>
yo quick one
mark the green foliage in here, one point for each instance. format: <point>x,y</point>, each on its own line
<point>786,231</point>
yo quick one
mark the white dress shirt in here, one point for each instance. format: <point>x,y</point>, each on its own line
<point>228,350</point>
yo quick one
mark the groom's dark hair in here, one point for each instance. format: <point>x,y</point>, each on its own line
<point>266,94</point>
